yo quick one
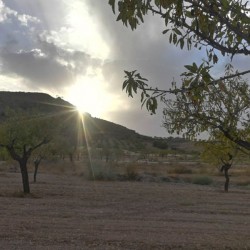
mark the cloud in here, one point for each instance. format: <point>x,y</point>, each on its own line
<point>9,15</point>
<point>35,68</point>
<point>31,50</point>
<point>50,13</point>
<point>46,67</point>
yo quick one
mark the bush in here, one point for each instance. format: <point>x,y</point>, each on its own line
<point>243,183</point>
<point>180,170</point>
<point>202,180</point>
<point>131,172</point>
<point>100,171</point>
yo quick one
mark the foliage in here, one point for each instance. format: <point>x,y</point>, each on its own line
<point>21,135</point>
<point>221,28</point>
<point>224,25</point>
<point>23,130</point>
<point>222,152</point>
<point>4,154</point>
<point>216,150</point>
<point>162,144</point>
<point>224,107</point>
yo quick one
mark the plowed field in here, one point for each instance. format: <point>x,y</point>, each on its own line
<point>68,212</point>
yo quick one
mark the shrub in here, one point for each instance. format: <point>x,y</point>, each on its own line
<point>180,170</point>
<point>243,183</point>
<point>202,180</point>
<point>100,171</point>
<point>131,172</point>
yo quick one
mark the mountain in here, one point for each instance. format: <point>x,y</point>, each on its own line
<point>99,132</point>
<point>28,101</point>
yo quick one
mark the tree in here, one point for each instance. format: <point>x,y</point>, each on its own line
<point>37,162</point>
<point>41,153</point>
<point>221,28</point>
<point>222,108</point>
<point>220,152</point>
<point>21,135</point>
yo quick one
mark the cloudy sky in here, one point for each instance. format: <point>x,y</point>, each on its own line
<point>76,50</point>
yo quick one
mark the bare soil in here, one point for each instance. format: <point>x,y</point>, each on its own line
<point>69,212</point>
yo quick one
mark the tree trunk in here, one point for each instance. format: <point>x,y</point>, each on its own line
<point>37,163</point>
<point>227,180</point>
<point>35,172</point>
<point>25,176</point>
<point>71,157</point>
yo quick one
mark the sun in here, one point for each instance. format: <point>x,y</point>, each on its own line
<point>88,94</point>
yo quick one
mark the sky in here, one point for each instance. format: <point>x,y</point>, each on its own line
<point>76,50</point>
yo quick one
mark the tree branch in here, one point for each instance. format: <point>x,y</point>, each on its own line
<point>183,90</point>
<point>209,40</point>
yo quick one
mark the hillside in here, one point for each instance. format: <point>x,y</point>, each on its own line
<point>100,133</point>
<point>28,101</point>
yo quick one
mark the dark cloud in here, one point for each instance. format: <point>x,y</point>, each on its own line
<point>47,67</point>
<point>36,69</point>
<point>78,61</point>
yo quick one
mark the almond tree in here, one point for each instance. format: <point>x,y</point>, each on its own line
<point>222,29</point>
<point>40,154</point>
<point>21,135</point>
<point>221,152</point>
<point>223,108</point>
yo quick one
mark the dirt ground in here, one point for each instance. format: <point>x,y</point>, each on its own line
<point>68,212</point>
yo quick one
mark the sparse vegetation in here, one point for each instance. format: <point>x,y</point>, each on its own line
<point>131,172</point>
<point>99,170</point>
<point>202,180</point>
<point>179,169</point>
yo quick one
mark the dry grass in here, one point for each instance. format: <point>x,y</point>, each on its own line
<point>180,170</point>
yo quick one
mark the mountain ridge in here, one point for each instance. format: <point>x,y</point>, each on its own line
<point>100,132</point>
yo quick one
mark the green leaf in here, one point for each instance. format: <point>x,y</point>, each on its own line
<point>174,38</point>
<point>139,14</point>
<point>215,59</point>
<point>112,3</point>
<point>125,83</point>
<point>165,31</point>
<point>142,96</point>
<point>170,38</point>
<point>191,68</point>
<point>181,43</point>
<point>177,31</point>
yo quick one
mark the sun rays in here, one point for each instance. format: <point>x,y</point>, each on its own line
<point>91,94</point>
<point>83,142</point>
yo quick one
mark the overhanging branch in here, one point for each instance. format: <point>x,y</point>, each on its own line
<point>161,92</point>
